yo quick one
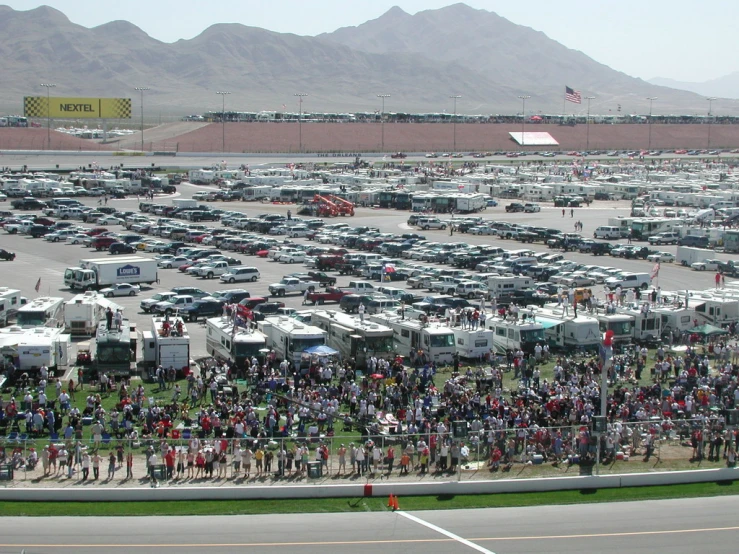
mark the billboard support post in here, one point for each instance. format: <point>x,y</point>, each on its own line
<point>48,86</point>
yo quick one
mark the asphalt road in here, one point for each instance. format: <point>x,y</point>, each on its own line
<point>37,258</point>
<point>672,526</point>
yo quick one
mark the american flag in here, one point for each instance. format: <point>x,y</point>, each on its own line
<point>655,271</point>
<point>573,96</point>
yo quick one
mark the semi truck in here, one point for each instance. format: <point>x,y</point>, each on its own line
<point>94,274</point>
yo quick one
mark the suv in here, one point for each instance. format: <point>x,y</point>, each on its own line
<point>350,303</point>
<point>515,207</point>
<point>266,309</point>
<point>190,291</point>
<point>427,223</point>
<point>693,241</point>
<point>668,237</point>
<point>101,243</point>
<point>240,274</point>
<point>628,280</point>
<point>121,248</point>
<point>233,296</point>
<point>205,307</point>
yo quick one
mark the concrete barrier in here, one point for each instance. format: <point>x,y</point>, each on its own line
<point>358,489</point>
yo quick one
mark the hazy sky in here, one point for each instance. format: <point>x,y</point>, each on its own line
<point>678,39</point>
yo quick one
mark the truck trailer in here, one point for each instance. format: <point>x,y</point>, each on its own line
<point>95,274</point>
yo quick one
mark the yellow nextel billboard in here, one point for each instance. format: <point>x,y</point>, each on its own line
<point>77,108</point>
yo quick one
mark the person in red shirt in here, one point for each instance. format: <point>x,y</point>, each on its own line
<point>169,458</point>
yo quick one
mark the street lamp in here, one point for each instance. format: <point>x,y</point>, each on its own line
<point>651,99</point>
<point>300,96</point>
<point>223,116</point>
<point>382,119</point>
<point>710,118</point>
<point>587,124</point>
<point>454,97</point>
<point>48,86</point>
<point>141,90</point>
<point>523,117</point>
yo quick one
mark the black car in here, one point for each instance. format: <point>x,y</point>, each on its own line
<point>350,303</point>
<point>121,248</point>
<point>266,309</point>
<point>202,308</point>
<point>37,231</point>
<point>7,256</point>
<point>514,207</point>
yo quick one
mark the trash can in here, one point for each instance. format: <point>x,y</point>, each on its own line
<point>160,472</point>
<point>315,470</point>
<point>6,472</point>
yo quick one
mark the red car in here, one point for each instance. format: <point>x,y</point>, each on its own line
<point>96,231</point>
<point>103,243</point>
<point>262,253</point>
<point>199,239</point>
<point>331,294</point>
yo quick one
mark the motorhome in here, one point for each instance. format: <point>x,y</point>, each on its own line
<point>84,312</point>
<point>579,332</point>
<point>45,311</point>
<point>354,338</point>
<point>290,338</point>
<point>714,309</point>
<point>435,341</point>
<point>675,320</point>
<point>237,344</point>
<point>515,334</point>
<point>473,345</point>
<point>11,301</point>
<point>621,325</point>
<point>167,344</point>
<point>32,348</point>
<point>114,349</point>
<point>643,228</point>
<point>501,284</point>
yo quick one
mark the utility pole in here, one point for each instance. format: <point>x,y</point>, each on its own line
<point>300,96</point>
<point>141,90</point>
<point>710,118</point>
<point>523,117</point>
<point>649,142</point>
<point>454,97</point>
<point>48,86</point>
<point>382,119</point>
<point>223,116</point>
<point>587,124</point>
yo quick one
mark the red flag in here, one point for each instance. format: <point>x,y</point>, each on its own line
<point>38,284</point>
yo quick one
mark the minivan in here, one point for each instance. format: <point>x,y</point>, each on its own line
<point>233,296</point>
<point>378,305</point>
<point>694,241</point>
<point>240,274</point>
<point>607,232</point>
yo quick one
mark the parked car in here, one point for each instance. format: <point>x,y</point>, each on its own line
<point>515,207</point>
<point>121,248</point>
<point>240,274</point>
<point>204,307</point>
<point>121,289</point>
<point>665,257</point>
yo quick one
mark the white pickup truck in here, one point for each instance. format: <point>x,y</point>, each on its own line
<point>211,270</point>
<point>290,285</point>
<point>19,228</point>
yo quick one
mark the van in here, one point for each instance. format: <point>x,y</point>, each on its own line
<point>607,232</point>
<point>297,231</point>
<point>694,241</point>
<point>427,223</point>
<point>379,305</point>
<point>471,289</point>
<point>233,296</point>
<point>234,274</point>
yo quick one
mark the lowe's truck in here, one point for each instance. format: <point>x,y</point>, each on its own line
<point>94,274</point>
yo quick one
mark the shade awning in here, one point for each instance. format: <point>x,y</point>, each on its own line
<point>321,349</point>
<point>547,323</point>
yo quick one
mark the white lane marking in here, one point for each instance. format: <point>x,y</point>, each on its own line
<point>445,533</point>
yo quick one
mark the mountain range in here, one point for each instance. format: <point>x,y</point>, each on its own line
<point>726,86</point>
<point>420,60</point>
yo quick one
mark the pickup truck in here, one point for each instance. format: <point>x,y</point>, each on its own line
<point>173,304</point>
<point>211,270</point>
<point>444,285</point>
<point>331,294</point>
<point>359,287</point>
<point>205,307</point>
<point>324,279</point>
<point>290,285</point>
<point>21,227</point>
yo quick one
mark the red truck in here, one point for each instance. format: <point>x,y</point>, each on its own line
<point>328,261</point>
<point>331,294</point>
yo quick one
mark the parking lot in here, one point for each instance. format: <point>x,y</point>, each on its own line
<point>38,259</point>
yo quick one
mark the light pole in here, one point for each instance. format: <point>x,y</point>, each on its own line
<point>300,96</point>
<point>223,116</point>
<point>454,97</point>
<point>710,118</point>
<point>382,119</point>
<point>48,86</point>
<point>523,117</point>
<point>141,90</point>
<point>587,123</point>
<point>649,142</point>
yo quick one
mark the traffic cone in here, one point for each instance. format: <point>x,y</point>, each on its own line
<point>390,503</point>
<point>395,503</point>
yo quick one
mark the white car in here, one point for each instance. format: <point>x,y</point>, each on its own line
<point>481,230</point>
<point>173,261</point>
<point>705,265</point>
<point>531,208</point>
<point>111,220</point>
<point>121,289</point>
<point>665,257</point>
<point>292,257</point>
<point>77,238</point>
<point>153,245</point>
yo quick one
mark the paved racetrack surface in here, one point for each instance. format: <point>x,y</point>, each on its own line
<point>671,526</point>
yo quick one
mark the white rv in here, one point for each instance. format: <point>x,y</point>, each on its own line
<point>289,338</point>
<point>353,337</point>
<point>473,345</point>
<point>509,334</point>
<point>83,312</point>
<point>44,311</point>
<point>436,341</point>
<point>32,348</point>
<point>581,332</point>
<point>237,345</point>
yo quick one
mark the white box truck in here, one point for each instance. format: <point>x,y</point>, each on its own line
<point>95,274</point>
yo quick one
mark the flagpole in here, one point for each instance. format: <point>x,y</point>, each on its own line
<point>564,100</point>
